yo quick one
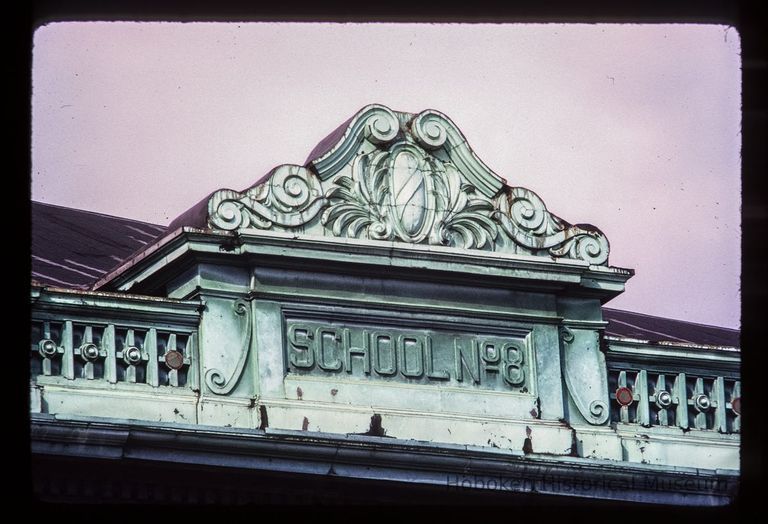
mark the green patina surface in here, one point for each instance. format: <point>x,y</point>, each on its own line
<point>417,356</point>
<point>392,276</point>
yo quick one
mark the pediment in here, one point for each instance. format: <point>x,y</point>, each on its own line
<point>410,178</point>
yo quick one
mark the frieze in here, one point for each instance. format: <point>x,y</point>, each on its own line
<point>422,356</point>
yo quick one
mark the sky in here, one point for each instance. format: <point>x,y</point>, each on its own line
<point>633,128</point>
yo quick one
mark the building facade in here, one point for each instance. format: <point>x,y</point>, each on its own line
<point>389,319</point>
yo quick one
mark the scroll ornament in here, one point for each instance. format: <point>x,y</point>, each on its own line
<point>405,178</point>
<point>525,219</point>
<point>291,197</point>
<point>584,373</point>
<point>215,379</point>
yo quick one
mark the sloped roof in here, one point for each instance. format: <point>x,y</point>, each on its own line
<point>74,248</point>
<point>627,324</point>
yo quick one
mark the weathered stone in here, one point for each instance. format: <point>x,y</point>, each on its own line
<point>401,177</point>
<point>394,288</point>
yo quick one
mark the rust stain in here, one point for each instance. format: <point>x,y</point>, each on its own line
<point>376,429</point>
<point>538,407</point>
<point>528,443</point>
<point>574,452</point>
<point>263,416</point>
<point>527,446</point>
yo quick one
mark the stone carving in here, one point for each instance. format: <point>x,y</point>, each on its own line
<point>417,355</point>
<point>214,378</point>
<point>524,217</point>
<point>405,194</point>
<point>585,375</point>
<point>434,130</point>
<point>400,177</point>
<point>291,197</point>
<point>375,124</point>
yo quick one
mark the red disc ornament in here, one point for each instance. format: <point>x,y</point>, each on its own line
<point>624,396</point>
<point>174,359</point>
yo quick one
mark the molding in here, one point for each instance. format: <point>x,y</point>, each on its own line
<point>106,303</point>
<point>105,389</point>
<point>377,458</point>
<point>663,357</point>
<point>676,435</point>
<point>470,264</point>
<point>631,344</point>
<point>304,302</point>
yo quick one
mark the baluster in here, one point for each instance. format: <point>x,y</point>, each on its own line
<point>641,395</point>
<point>623,410</point>
<point>663,400</point>
<point>680,398</point>
<point>132,356</point>
<point>735,406</point>
<point>110,363</point>
<point>89,352</point>
<point>46,351</point>
<point>68,357</point>
<point>150,346</point>
<point>721,415</point>
<point>190,357</point>
<point>130,370</point>
<point>173,373</point>
<point>701,403</point>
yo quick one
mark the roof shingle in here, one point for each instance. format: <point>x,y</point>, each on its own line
<point>74,248</point>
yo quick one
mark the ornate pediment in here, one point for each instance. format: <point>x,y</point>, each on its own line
<point>401,177</point>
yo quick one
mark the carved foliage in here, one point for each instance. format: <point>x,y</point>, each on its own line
<point>291,197</point>
<point>434,130</point>
<point>525,219</point>
<point>405,194</point>
<point>410,179</point>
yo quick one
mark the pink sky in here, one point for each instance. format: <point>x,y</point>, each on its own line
<point>632,128</point>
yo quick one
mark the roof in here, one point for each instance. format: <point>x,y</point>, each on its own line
<point>626,324</point>
<point>75,248</point>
